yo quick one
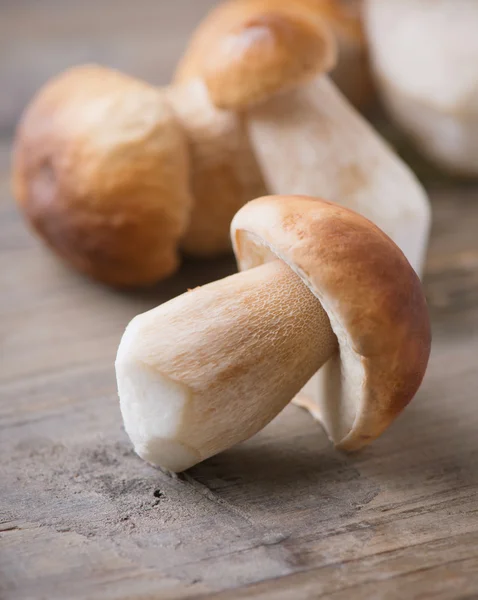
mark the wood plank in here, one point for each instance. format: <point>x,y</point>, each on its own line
<point>410,572</point>
<point>282,516</point>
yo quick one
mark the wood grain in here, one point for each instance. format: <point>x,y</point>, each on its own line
<point>283,516</point>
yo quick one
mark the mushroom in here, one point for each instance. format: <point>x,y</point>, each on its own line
<point>425,57</point>
<point>343,17</point>
<point>118,176</point>
<point>320,286</point>
<point>305,135</point>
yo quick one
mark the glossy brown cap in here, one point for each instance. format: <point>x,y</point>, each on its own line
<point>248,50</point>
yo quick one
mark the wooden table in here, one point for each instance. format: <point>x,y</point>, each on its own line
<point>283,516</point>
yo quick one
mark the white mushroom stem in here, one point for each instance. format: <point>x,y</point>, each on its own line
<point>311,141</point>
<point>215,365</point>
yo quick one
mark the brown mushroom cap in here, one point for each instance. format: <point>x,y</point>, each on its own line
<point>101,172</point>
<point>248,50</point>
<point>371,294</point>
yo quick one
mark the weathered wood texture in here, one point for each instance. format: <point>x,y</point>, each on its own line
<point>282,516</point>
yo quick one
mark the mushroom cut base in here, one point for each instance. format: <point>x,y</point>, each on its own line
<point>212,367</point>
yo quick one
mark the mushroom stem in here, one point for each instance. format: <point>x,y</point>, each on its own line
<point>311,141</point>
<point>213,366</point>
<point>224,174</point>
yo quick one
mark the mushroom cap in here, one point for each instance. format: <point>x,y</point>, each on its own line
<point>101,172</point>
<point>371,294</point>
<point>248,50</point>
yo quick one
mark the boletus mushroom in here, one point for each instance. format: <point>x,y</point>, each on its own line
<point>320,287</point>
<point>267,60</point>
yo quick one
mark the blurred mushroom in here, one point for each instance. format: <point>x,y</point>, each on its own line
<point>425,56</point>
<point>266,60</point>
<point>321,284</point>
<point>101,171</point>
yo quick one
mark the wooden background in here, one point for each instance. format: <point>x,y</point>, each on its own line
<point>283,516</point>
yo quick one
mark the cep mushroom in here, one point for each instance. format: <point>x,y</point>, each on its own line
<point>305,135</point>
<point>320,285</point>
<point>118,176</point>
<point>425,57</point>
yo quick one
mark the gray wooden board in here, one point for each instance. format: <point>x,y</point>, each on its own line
<point>283,516</point>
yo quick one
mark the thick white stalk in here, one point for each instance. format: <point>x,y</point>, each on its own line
<point>213,366</point>
<point>311,141</point>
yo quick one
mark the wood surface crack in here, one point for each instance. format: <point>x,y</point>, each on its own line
<point>210,495</point>
<point>10,528</point>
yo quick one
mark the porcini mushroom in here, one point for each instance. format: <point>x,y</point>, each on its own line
<point>100,170</point>
<point>305,135</point>
<point>425,57</point>
<point>117,176</point>
<point>320,285</point>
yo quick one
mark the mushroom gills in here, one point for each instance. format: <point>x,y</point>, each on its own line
<point>189,391</point>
